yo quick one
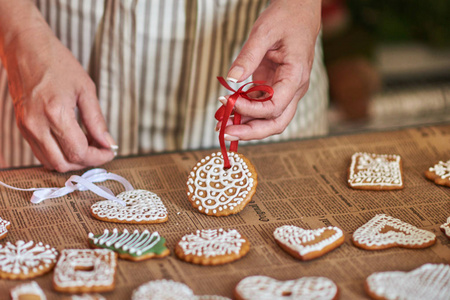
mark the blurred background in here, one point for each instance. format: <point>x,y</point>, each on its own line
<point>388,63</point>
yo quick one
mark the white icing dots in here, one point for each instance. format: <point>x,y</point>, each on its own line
<point>368,169</point>
<point>215,187</point>
<point>442,169</point>
<point>430,281</point>
<point>25,258</point>
<point>212,242</point>
<point>4,225</point>
<point>141,206</point>
<point>262,287</point>
<point>383,230</point>
<point>304,241</point>
<point>446,227</point>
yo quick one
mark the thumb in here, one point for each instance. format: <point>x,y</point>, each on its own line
<point>93,120</point>
<point>250,57</point>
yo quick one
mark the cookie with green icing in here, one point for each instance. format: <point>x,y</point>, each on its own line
<point>134,246</point>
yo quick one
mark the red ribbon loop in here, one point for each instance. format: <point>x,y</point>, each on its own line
<point>225,111</point>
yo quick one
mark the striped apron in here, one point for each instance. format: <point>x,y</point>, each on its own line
<point>155,65</point>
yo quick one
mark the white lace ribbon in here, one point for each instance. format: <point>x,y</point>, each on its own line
<point>84,182</point>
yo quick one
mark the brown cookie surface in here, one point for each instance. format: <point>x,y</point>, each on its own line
<point>439,173</point>
<point>370,171</point>
<point>306,244</point>
<point>212,246</point>
<point>383,232</point>
<point>216,191</point>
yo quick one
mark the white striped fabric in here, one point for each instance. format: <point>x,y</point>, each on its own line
<point>155,65</point>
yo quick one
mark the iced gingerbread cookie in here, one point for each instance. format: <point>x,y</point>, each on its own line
<point>88,297</point>
<point>28,291</point>
<point>445,228</point>
<point>212,246</point>
<point>262,287</point>
<point>439,173</point>
<point>383,232</point>
<point>307,244</point>
<point>430,281</point>
<point>85,271</point>
<point>216,191</point>
<point>142,207</point>
<point>26,260</point>
<point>168,290</point>
<point>4,226</point>
<point>375,172</point>
<point>134,246</point>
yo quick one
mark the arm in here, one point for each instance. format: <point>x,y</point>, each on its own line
<point>47,84</point>
<point>279,51</point>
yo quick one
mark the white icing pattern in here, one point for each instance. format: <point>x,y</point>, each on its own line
<point>368,169</point>
<point>23,258</point>
<point>212,242</point>
<point>141,205</point>
<point>430,281</point>
<point>163,290</point>
<point>442,169</point>
<point>295,238</point>
<point>3,226</point>
<point>85,268</point>
<point>371,233</point>
<point>30,288</point>
<point>135,243</point>
<point>446,227</point>
<point>266,288</point>
<point>214,189</point>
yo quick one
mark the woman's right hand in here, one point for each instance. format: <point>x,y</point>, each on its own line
<point>48,85</point>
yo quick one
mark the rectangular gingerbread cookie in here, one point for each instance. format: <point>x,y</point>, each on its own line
<point>85,271</point>
<point>370,171</point>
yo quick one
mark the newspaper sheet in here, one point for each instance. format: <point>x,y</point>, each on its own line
<point>303,183</point>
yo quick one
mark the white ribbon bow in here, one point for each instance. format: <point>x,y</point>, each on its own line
<point>84,182</point>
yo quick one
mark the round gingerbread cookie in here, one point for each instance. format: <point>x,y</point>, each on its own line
<point>141,207</point>
<point>445,228</point>
<point>263,287</point>
<point>4,226</point>
<point>26,260</point>
<point>439,173</point>
<point>216,191</point>
<point>162,290</point>
<point>306,244</point>
<point>212,246</point>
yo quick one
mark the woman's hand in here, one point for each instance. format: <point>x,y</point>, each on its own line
<point>279,51</point>
<point>48,85</point>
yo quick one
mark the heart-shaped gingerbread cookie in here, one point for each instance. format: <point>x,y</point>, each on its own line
<point>142,207</point>
<point>383,232</point>
<point>430,281</point>
<point>262,287</point>
<point>307,244</point>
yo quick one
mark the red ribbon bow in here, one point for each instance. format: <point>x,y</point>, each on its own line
<point>224,112</point>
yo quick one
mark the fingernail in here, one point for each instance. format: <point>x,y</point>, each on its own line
<point>223,100</point>
<point>112,144</point>
<point>235,74</point>
<point>230,137</point>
